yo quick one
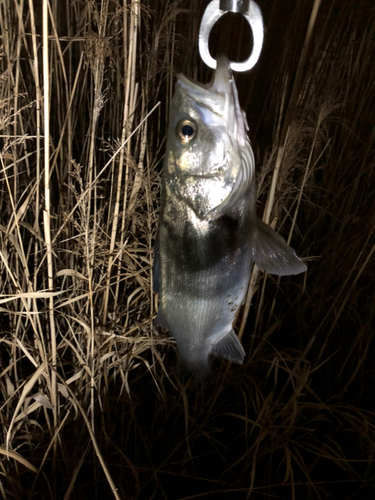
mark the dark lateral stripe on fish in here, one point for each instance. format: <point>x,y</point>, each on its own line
<point>190,251</point>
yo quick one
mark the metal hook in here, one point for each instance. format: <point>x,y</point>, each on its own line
<point>217,8</point>
<point>241,6</point>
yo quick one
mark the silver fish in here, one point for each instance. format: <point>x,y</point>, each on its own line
<point>209,234</point>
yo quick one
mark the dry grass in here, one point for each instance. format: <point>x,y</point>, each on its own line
<point>88,389</point>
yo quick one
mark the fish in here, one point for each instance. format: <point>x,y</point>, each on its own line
<point>209,235</point>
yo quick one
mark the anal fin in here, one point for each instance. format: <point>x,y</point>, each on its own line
<point>229,347</point>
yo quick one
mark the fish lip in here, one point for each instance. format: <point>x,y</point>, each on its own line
<point>217,172</point>
<point>206,176</point>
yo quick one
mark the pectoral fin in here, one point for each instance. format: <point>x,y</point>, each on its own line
<point>229,347</point>
<point>272,254</point>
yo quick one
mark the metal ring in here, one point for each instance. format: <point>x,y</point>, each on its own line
<point>213,13</point>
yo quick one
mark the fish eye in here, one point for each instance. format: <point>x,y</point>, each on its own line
<point>186,130</point>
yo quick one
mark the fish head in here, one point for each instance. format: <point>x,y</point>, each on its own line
<point>209,158</point>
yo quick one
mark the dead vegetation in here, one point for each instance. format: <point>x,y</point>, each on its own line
<point>91,403</point>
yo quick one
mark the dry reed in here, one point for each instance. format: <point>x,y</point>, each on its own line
<point>88,388</point>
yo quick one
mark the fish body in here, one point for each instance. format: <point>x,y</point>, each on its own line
<point>209,234</point>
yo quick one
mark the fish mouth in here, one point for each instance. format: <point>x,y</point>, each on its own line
<point>219,85</point>
<point>213,95</point>
<point>218,175</point>
<point>193,86</point>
